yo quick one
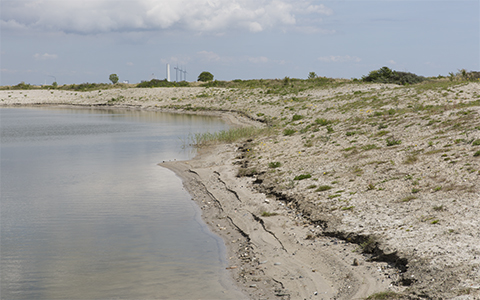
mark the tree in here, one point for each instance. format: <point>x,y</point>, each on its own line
<point>113,78</point>
<point>312,75</point>
<point>205,76</point>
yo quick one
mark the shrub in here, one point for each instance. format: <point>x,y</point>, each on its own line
<point>161,83</point>
<point>22,86</point>
<point>477,153</point>
<point>476,143</point>
<point>385,75</point>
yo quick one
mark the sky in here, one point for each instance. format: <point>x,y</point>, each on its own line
<point>78,41</point>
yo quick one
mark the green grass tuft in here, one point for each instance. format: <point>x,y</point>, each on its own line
<point>323,188</point>
<point>227,136</point>
<point>302,177</point>
<point>288,131</point>
<point>274,164</point>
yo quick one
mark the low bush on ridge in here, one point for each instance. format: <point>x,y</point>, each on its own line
<point>161,83</point>
<point>385,75</point>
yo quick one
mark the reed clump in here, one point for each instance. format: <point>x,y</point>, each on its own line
<point>227,136</point>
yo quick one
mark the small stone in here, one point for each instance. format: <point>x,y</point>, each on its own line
<point>253,285</point>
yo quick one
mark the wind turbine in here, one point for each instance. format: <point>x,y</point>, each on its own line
<point>176,73</point>
<point>185,74</point>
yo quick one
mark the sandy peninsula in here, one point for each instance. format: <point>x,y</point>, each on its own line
<point>357,190</point>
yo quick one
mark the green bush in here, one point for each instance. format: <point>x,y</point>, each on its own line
<point>23,86</point>
<point>86,86</point>
<point>161,83</point>
<point>386,75</point>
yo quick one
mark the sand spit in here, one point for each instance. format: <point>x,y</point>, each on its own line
<point>363,188</point>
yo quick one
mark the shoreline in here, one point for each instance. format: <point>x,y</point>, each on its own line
<point>367,215</point>
<point>269,258</point>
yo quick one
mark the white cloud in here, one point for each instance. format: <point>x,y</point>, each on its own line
<point>392,62</point>
<point>98,16</point>
<point>212,57</point>
<point>179,60</point>
<point>45,56</point>
<point>333,58</point>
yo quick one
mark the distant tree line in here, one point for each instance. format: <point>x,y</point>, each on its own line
<point>275,86</point>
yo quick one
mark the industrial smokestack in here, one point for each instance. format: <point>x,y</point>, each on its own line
<point>168,72</point>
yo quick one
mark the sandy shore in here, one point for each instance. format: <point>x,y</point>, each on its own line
<point>362,188</point>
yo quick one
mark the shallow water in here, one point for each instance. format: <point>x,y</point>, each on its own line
<point>86,213</point>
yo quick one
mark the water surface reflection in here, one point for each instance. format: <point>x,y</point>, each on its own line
<point>87,214</point>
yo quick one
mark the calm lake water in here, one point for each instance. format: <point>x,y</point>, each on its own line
<point>86,213</point>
